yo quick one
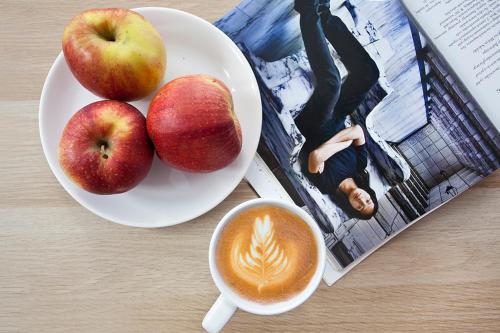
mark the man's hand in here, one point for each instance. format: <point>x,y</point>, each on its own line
<point>315,163</point>
<point>359,135</point>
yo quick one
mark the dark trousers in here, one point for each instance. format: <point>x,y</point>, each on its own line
<point>317,6</point>
<point>332,101</point>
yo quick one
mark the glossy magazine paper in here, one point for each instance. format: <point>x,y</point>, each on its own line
<point>363,126</point>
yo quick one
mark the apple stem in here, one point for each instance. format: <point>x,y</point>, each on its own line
<point>103,152</point>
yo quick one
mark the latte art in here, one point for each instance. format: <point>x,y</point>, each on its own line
<point>267,254</point>
<point>265,260</point>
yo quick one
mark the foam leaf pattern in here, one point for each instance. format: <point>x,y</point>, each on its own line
<point>264,259</point>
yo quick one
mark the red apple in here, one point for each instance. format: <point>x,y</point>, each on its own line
<point>192,124</point>
<point>115,53</point>
<point>105,148</point>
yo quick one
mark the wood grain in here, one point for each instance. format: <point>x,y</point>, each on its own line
<point>62,269</point>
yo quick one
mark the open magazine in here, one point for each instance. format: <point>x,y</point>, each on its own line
<point>363,124</point>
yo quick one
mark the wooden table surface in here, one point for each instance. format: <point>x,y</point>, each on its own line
<point>62,269</point>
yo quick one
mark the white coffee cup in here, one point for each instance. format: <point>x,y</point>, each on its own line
<point>229,301</point>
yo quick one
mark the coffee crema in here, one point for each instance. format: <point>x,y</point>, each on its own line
<point>267,254</point>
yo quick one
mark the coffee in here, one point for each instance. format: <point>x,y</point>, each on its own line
<point>267,254</point>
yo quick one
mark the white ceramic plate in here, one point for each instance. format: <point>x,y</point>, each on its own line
<point>166,196</point>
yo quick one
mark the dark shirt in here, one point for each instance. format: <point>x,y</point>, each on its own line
<point>344,164</point>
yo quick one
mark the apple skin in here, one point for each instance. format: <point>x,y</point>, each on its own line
<point>105,148</point>
<point>115,53</point>
<point>192,124</point>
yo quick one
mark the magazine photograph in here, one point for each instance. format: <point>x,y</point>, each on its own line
<point>363,126</point>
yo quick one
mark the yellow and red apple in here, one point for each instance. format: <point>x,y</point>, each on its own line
<point>115,53</point>
<point>192,123</point>
<point>105,148</point>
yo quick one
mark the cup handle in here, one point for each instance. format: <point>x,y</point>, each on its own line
<point>218,315</point>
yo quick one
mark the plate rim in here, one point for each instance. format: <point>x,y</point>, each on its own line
<point>103,214</point>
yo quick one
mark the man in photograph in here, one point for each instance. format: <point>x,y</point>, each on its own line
<point>334,157</point>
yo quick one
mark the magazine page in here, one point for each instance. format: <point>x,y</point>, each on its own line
<point>467,34</point>
<point>361,125</point>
